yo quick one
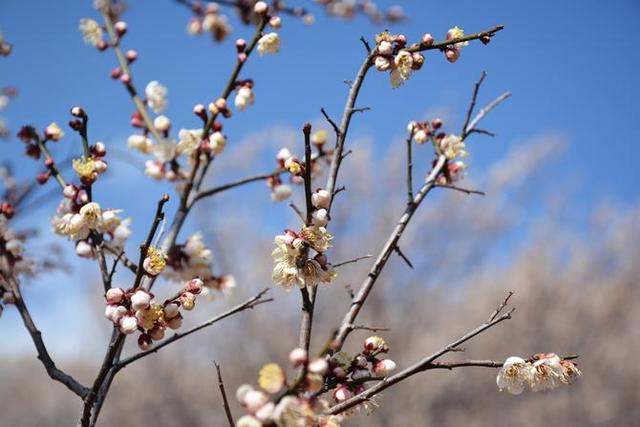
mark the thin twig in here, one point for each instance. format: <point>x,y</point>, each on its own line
<point>350,261</point>
<point>307,171</point>
<point>462,190</point>
<point>472,104</point>
<point>389,247</point>
<point>403,256</point>
<point>409,143</point>
<point>225,402</point>
<point>483,112</point>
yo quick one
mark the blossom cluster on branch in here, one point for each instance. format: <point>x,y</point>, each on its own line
<point>545,371</point>
<point>319,384</point>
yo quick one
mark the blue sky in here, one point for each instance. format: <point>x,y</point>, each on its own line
<point>572,67</point>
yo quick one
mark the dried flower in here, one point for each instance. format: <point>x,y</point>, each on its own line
<point>91,32</point>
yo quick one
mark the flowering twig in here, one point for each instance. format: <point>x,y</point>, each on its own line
<point>421,365</point>
<point>225,402</point>
<point>250,303</point>
<point>36,336</point>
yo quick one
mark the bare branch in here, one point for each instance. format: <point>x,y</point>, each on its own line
<point>36,336</point>
<point>484,36</point>
<point>389,247</point>
<point>331,122</point>
<point>225,402</point>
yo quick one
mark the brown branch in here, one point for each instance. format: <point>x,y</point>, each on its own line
<point>382,259</point>
<point>117,339</point>
<point>250,303</point>
<point>225,402</point>
<point>36,336</point>
<point>421,365</point>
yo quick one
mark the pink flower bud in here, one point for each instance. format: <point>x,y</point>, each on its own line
<point>241,45</point>
<point>265,413</point>
<point>359,374</point>
<point>132,55</point>
<point>144,342</point>
<point>241,393</point>
<point>342,393</point>
<point>78,112</point>
<point>360,361</point>
<point>436,123</point>
<point>194,286</point>
<point>175,322</point>
<point>385,48</point>
<point>318,366</point>
<point>260,8</point>
<point>254,400</point>
<point>383,367</point>
<point>157,333</point>
<point>427,40</point>
<point>125,78</point>
<point>339,372</point>
<point>100,166</point>
<point>297,357</point>
<point>114,295</point>
<point>171,310</point>
<point>100,149</point>
<point>116,73</point>
<point>275,22</point>
<point>120,27</point>
<point>452,54</point>
<point>140,300</point>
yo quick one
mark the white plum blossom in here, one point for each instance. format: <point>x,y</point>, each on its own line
<point>269,43</point>
<point>217,142</point>
<point>188,140</point>
<point>91,32</point>
<point>141,143</point>
<point>402,68</point>
<point>156,96</point>
<point>244,98</point>
<point>547,372</point>
<point>514,375</point>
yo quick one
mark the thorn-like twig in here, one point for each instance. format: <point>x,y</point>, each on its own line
<point>462,190</point>
<point>403,256</point>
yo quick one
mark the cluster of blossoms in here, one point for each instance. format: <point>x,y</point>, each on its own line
<point>76,218</point>
<point>5,46</point>
<point>299,403</point>
<point>6,94</point>
<point>136,310</point>
<point>545,371</point>
<point>392,54</point>
<point>194,259</point>
<point>208,19</point>
<point>286,161</point>
<point>294,264</point>
<point>447,144</point>
<point>348,9</point>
